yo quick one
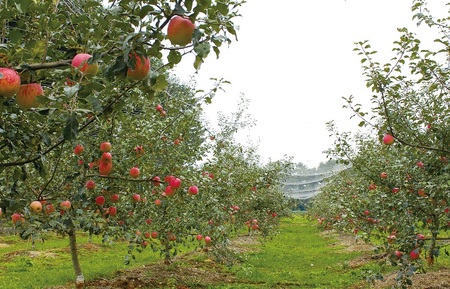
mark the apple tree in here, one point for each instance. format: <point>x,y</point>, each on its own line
<point>397,186</point>
<point>77,75</point>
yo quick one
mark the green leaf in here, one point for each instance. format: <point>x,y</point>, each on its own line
<point>203,49</point>
<point>95,102</point>
<point>160,83</point>
<point>145,10</point>
<point>188,4</point>
<point>70,131</point>
<point>71,90</point>
<point>174,57</point>
<point>198,62</point>
<point>46,139</point>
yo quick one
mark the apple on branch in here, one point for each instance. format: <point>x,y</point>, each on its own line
<point>78,150</point>
<point>36,206</point>
<point>81,60</point>
<point>27,95</point>
<point>105,146</point>
<point>180,30</point>
<point>388,139</point>
<point>9,82</point>
<point>140,69</point>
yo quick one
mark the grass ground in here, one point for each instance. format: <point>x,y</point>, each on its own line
<point>301,256</point>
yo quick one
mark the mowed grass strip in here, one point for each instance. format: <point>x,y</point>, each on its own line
<point>49,263</point>
<point>299,257</point>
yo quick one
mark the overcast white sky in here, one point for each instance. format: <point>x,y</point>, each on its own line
<point>294,60</point>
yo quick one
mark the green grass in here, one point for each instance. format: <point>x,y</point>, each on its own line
<point>49,263</point>
<point>299,257</point>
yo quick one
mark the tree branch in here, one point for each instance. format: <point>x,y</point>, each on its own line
<point>39,66</point>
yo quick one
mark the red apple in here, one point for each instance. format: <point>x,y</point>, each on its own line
<point>171,236</point>
<point>154,234</point>
<point>148,221</point>
<point>420,165</point>
<point>388,139</point>
<point>169,191</point>
<point>167,179</point>
<point>27,94</point>
<point>180,30</point>
<point>175,183</point>
<point>147,235</point>
<point>199,237</point>
<point>65,205</point>
<point>114,198</point>
<point>398,254</point>
<point>159,108</point>
<point>383,175</point>
<point>9,82</point>
<point>100,200</point>
<point>105,146</point>
<point>136,197</point>
<point>193,190</point>
<point>112,211</point>
<point>141,67</point>
<point>139,150</point>
<point>90,185</point>
<point>134,172</point>
<point>158,202</point>
<point>78,150</point>
<point>36,206</point>
<point>105,168</point>
<point>366,212</point>
<point>207,239</point>
<point>80,61</point>
<point>156,181</point>
<point>421,193</point>
<point>415,254</point>
<point>395,190</point>
<point>392,239</point>
<point>16,217</point>
<point>49,209</point>
<point>106,157</point>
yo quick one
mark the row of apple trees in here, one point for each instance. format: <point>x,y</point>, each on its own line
<point>396,192</point>
<point>97,136</point>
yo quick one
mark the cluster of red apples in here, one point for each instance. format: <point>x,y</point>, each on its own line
<point>180,31</point>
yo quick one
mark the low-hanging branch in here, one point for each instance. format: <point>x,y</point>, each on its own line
<point>152,179</point>
<point>39,66</point>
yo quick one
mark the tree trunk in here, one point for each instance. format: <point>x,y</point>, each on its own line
<point>79,281</point>
<point>434,235</point>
